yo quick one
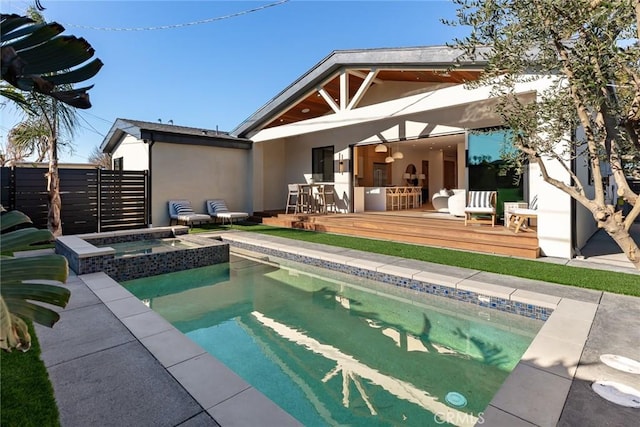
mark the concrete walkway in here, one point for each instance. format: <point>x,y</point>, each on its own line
<point>105,374</point>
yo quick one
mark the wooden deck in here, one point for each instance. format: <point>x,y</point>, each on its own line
<point>418,227</point>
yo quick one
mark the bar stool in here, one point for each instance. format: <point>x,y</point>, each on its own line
<point>305,198</point>
<point>326,198</point>
<point>404,197</point>
<point>393,198</point>
<point>416,193</point>
<point>293,197</point>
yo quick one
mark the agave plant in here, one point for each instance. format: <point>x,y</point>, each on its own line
<point>25,281</point>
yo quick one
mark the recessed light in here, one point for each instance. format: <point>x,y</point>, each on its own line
<point>305,110</point>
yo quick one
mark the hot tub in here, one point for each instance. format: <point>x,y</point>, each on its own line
<point>131,254</point>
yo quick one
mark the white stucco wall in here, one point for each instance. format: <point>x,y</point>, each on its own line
<point>585,223</point>
<point>135,153</point>
<point>554,218</point>
<point>270,169</point>
<point>198,173</point>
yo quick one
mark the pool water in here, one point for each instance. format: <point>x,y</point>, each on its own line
<point>149,246</point>
<point>336,353</point>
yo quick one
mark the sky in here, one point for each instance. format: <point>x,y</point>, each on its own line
<point>212,64</point>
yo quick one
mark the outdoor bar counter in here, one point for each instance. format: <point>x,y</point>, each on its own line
<point>375,198</point>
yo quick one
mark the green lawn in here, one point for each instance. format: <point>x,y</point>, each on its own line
<point>620,283</point>
<point>26,397</point>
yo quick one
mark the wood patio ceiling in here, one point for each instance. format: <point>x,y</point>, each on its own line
<point>314,105</point>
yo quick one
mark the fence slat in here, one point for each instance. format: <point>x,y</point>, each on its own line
<point>92,200</point>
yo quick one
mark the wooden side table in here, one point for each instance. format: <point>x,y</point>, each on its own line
<point>509,206</point>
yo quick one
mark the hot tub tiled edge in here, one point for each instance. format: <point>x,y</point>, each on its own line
<point>85,258</point>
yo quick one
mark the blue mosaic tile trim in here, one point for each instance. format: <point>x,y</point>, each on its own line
<point>72,257</point>
<point>487,301</point>
<point>144,265</point>
<point>167,262</point>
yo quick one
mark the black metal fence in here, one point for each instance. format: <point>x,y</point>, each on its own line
<point>93,200</point>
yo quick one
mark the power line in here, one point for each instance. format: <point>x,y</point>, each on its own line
<point>188,24</point>
<point>91,128</point>
<point>97,117</point>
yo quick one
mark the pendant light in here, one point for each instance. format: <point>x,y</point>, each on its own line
<point>381,148</point>
<point>398,155</point>
<point>389,159</point>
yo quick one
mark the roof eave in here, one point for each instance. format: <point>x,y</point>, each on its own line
<point>433,56</point>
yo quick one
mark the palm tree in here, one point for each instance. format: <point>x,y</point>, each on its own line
<point>37,60</point>
<point>27,280</point>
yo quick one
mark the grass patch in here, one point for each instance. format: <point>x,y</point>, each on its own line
<point>600,280</point>
<point>26,396</point>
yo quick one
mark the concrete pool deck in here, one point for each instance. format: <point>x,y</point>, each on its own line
<point>112,361</point>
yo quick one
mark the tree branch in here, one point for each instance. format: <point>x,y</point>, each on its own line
<point>583,115</point>
<point>631,217</point>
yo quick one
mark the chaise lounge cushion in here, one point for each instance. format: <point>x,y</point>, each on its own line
<point>217,208</point>
<point>182,211</point>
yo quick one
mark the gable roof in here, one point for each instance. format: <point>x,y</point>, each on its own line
<point>169,133</point>
<point>429,63</point>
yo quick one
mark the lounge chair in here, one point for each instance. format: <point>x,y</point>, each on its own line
<point>457,202</point>
<point>480,203</point>
<point>520,217</point>
<point>440,201</point>
<point>217,209</point>
<point>181,211</point>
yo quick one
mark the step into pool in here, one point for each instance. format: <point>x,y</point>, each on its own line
<point>340,350</point>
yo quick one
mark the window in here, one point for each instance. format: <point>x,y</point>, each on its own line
<point>118,164</point>
<point>490,168</point>
<point>487,156</point>
<point>322,166</point>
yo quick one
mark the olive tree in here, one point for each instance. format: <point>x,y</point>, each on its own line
<point>592,110</point>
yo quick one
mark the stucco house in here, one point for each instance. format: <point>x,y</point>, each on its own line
<point>333,123</point>
<point>183,163</point>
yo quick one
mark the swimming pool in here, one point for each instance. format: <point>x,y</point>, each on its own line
<point>331,352</point>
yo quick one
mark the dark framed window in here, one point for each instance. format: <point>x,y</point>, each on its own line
<point>118,164</point>
<point>322,165</point>
<point>488,167</point>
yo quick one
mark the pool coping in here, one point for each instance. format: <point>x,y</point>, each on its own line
<point>533,394</point>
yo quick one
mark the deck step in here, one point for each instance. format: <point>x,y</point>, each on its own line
<point>444,233</point>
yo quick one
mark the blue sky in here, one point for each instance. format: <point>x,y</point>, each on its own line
<point>218,73</point>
